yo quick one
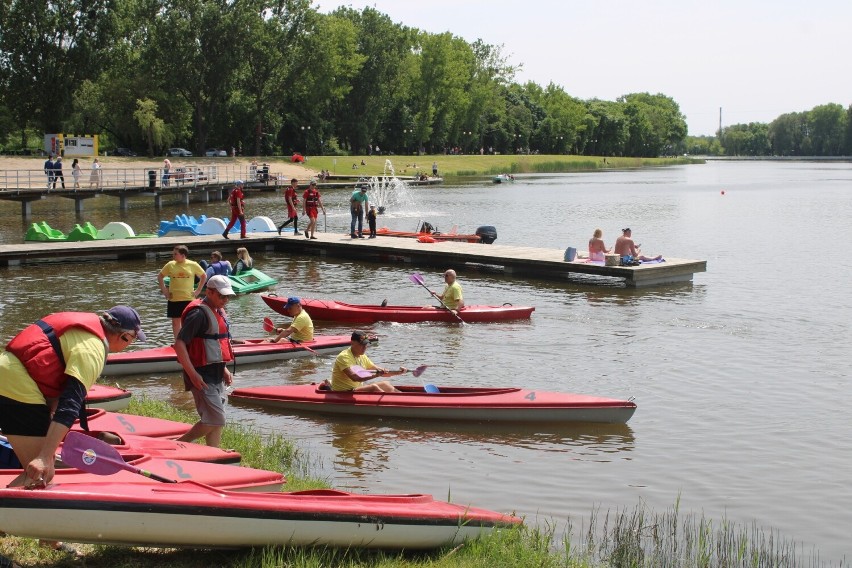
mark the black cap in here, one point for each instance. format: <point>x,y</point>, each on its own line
<point>361,337</point>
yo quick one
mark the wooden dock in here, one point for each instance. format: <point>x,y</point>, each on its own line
<point>513,260</point>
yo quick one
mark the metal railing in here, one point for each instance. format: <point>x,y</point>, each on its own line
<point>180,177</point>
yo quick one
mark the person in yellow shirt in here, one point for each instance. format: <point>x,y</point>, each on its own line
<point>46,371</point>
<point>345,378</point>
<point>182,289</point>
<point>452,294</point>
<point>300,329</point>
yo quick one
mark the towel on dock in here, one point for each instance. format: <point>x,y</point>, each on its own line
<point>655,261</point>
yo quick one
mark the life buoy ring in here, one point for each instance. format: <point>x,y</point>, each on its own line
<point>383,230</point>
<point>425,239</point>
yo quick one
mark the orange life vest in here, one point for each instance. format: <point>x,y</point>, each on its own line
<point>213,346</point>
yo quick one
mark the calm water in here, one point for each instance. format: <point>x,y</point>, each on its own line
<point>741,377</point>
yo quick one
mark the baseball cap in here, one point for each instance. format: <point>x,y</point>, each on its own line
<point>361,337</point>
<point>127,319</point>
<point>292,301</point>
<point>221,284</point>
<point>238,182</point>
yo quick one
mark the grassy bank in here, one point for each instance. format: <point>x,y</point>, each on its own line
<point>475,165</point>
<point>635,537</point>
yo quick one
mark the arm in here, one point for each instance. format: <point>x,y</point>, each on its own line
<point>283,333</point>
<point>183,359</point>
<point>161,280</point>
<point>377,372</point>
<point>202,278</point>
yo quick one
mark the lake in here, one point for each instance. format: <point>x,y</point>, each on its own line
<point>739,376</point>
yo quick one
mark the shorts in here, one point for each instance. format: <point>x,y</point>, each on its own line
<point>23,419</point>
<point>312,213</point>
<point>175,309</point>
<point>210,404</point>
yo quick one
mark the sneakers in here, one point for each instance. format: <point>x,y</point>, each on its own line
<point>361,237</point>
<point>225,234</point>
<point>372,236</point>
<point>242,236</point>
<point>354,236</point>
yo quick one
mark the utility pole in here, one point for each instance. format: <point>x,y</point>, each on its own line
<point>720,124</point>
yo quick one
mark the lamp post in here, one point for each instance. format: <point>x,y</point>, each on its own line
<point>306,130</point>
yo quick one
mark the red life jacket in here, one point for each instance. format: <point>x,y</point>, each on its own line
<point>311,198</point>
<point>213,346</point>
<point>235,196</point>
<point>38,348</point>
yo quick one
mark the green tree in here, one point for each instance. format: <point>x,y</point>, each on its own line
<point>153,126</point>
<point>827,127</point>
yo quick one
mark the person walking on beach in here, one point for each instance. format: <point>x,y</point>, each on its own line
<point>292,200</point>
<point>237,202</point>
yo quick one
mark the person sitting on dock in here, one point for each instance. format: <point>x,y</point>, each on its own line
<point>300,329</point>
<point>345,378</point>
<point>217,265</point>
<point>624,246</point>
<point>597,248</point>
<point>452,295</point>
<point>244,261</point>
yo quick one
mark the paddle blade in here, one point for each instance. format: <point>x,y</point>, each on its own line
<point>361,372</point>
<point>431,389</point>
<point>417,279</point>
<point>91,455</point>
<point>419,370</point>
<point>268,325</point>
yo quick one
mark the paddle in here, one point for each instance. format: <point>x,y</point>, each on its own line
<point>269,325</point>
<point>93,456</point>
<point>365,374</point>
<point>417,279</point>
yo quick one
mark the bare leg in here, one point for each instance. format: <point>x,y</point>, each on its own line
<point>176,327</point>
<point>211,434</point>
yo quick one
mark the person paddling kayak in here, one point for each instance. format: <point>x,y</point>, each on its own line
<point>346,378</point>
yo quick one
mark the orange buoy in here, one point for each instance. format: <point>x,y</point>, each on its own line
<point>425,239</point>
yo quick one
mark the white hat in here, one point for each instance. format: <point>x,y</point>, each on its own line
<point>221,284</point>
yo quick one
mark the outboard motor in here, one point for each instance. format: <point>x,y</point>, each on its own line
<point>487,234</point>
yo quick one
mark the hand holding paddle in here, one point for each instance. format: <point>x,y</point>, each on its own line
<point>94,456</point>
<point>363,373</point>
<point>417,279</point>
<point>269,325</point>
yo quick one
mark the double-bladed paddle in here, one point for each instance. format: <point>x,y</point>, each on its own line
<point>269,325</point>
<point>417,279</point>
<point>365,374</point>
<point>94,456</point>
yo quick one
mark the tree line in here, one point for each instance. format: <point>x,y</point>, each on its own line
<point>278,76</point>
<point>825,130</point>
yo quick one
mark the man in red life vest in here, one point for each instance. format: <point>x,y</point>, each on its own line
<point>203,349</point>
<point>45,373</point>
<point>238,209</point>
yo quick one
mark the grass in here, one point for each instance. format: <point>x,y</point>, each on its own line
<point>631,538</point>
<point>476,165</point>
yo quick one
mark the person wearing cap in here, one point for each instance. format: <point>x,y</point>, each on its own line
<point>203,349</point>
<point>371,221</point>
<point>236,199</point>
<point>181,273</point>
<point>624,246</point>
<point>46,371</point>
<point>292,199</point>
<point>300,329</point>
<point>452,294</point>
<point>313,202</point>
<point>344,377</point>
<point>357,204</point>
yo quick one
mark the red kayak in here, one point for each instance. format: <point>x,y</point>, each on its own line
<point>450,403</point>
<point>361,313</point>
<point>194,515</point>
<point>253,351</point>
<point>427,237</point>
<point>165,448</point>
<point>217,475</point>
<point>108,398</point>
<point>123,424</point>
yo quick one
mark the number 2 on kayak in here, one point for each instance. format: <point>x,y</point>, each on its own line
<point>530,396</point>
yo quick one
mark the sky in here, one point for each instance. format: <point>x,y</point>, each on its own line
<point>753,59</point>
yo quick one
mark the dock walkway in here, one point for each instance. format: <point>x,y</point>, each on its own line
<point>514,260</point>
